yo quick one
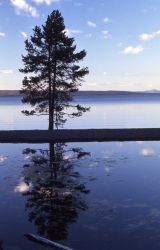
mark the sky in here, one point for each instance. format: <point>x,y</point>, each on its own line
<point>121,37</point>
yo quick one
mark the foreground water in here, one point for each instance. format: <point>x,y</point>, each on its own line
<point>84,195</point>
<point>87,196</point>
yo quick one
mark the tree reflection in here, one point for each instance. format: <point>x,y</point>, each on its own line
<point>1,245</point>
<point>54,196</point>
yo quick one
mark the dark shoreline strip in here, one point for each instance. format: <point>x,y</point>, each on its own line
<point>80,135</point>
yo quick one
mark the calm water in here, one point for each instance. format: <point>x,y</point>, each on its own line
<point>106,112</point>
<point>84,195</point>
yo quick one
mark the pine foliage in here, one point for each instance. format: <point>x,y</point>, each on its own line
<point>52,64</point>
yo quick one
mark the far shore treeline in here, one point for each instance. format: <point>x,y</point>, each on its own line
<point>90,93</point>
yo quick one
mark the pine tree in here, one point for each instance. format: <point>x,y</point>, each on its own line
<point>54,72</point>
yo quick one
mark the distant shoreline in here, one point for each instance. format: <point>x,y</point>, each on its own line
<point>12,93</point>
<point>9,93</point>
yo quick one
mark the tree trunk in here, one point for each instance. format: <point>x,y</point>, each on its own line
<point>52,90</point>
<point>51,123</point>
<point>51,108</point>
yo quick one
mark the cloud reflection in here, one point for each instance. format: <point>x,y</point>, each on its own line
<point>3,158</point>
<point>22,187</point>
<point>148,152</point>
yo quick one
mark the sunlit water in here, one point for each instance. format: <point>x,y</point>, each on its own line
<point>83,195</point>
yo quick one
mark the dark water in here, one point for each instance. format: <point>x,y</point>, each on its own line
<point>86,196</point>
<point>83,195</point>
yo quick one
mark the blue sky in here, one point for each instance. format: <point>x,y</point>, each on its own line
<point>121,37</point>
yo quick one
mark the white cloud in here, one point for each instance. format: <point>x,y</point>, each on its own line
<point>91,24</point>
<point>105,34</point>
<point>78,4</point>
<point>6,71</point>
<point>24,35</point>
<point>92,84</point>
<point>70,32</point>
<point>149,36</point>
<point>2,34</point>
<point>133,50</point>
<point>106,20</point>
<point>89,35</point>
<point>48,2</point>
<point>23,5</point>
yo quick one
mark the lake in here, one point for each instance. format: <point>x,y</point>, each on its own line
<point>119,111</point>
<point>83,195</point>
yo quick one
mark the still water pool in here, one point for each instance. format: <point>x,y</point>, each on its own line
<point>84,195</point>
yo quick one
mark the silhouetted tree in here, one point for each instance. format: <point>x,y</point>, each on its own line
<point>54,72</point>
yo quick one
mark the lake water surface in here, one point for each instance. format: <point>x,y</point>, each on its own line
<point>119,111</point>
<point>83,195</point>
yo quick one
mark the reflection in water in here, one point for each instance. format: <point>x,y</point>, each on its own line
<point>1,245</point>
<point>123,204</point>
<point>3,158</point>
<point>148,152</point>
<point>22,187</point>
<point>53,189</point>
